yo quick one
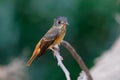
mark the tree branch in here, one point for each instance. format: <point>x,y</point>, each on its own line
<point>77,58</point>
<point>59,59</point>
<point>82,76</point>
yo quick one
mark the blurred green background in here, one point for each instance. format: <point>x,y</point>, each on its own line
<point>92,30</point>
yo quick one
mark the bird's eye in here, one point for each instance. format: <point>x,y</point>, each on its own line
<point>59,22</point>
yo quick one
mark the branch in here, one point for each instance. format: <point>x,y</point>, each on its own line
<point>77,58</point>
<point>59,59</point>
<point>82,76</point>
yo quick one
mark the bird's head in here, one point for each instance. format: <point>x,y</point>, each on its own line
<point>60,21</point>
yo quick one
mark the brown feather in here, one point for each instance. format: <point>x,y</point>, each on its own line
<point>35,53</point>
<point>44,47</point>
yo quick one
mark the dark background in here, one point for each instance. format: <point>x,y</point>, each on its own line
<point>92,30</point>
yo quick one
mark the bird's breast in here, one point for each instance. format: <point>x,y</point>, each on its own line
<point>61,35</point>
<point>60,38</point>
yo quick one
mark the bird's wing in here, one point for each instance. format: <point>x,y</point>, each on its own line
<point>48,39</point>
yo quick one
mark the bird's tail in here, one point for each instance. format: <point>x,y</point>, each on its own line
<point>34,55</point>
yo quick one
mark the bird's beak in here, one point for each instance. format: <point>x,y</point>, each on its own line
<point>65,23</point>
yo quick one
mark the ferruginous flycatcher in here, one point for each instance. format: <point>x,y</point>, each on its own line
<point>53,37</point>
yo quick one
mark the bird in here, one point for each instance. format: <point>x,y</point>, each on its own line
<point>52,38</point>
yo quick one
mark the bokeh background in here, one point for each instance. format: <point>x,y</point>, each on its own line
<point>93,29</point>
